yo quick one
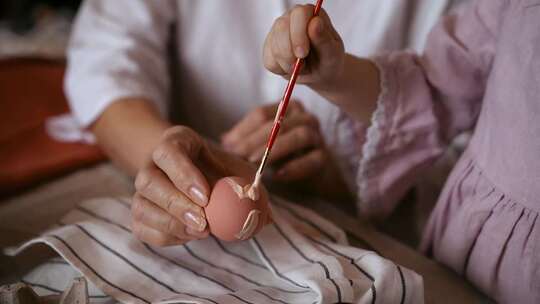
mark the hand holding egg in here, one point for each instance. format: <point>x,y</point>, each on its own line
<point>235,211</point>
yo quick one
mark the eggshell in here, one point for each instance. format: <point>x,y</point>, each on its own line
<point>227,212</point>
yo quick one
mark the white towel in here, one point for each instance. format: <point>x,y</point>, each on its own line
<point>301,258</point>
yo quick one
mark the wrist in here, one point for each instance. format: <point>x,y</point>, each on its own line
<point>355,88</point>
<point>332,83</point>
<point>128,130</point>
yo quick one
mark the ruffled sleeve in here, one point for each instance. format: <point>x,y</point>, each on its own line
<point>425,102</point>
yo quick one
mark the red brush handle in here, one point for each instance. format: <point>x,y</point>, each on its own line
<point>282,109</point>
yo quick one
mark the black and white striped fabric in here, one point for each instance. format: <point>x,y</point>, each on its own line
<point>301,258</point>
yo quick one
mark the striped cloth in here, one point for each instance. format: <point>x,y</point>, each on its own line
<point>301,258</point>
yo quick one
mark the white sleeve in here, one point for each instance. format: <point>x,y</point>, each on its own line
<point>118,49</point>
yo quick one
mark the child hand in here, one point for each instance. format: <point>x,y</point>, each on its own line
<point>297,34</point>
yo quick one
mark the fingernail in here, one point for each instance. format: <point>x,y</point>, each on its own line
<point>195,221</point>
<point>300,52</point>
<point>197,194</point>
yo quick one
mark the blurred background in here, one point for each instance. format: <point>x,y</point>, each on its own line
<point>35,27</point>
<point>33,38</point>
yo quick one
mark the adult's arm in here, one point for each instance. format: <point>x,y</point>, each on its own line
<point>128,130</point>
<point>118,51</point>
<point>117,85</point>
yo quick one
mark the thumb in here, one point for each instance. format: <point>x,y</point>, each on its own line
<point>324,39</point>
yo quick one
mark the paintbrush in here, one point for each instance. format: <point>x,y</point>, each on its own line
<point>280,114</point>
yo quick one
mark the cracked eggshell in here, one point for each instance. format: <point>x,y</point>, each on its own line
<point>228,210</point>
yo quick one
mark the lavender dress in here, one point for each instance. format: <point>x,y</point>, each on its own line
<point>481,72</point>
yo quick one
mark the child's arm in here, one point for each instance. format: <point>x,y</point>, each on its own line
<point>421,102</point>
<point>339,77</point>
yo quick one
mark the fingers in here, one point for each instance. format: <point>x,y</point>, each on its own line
<point>269,61</point>
<point>252,121</point>
<point>253,142</point>
<point>149,214</point>
<point>171,189</point>
<point>299,133</point>
<point>152,184</point>
<point>303,167</point>
<point>325,39</point>
<point>300,16</point>
<point>154,237</point>
<point>282,49</point>
<point>175,155</point>
<point>287,40</point>
<point>293,34</point>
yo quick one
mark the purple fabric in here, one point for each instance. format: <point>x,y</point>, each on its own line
<point>481,72</point>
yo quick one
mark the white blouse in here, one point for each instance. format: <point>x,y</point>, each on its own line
<point>121,49</point>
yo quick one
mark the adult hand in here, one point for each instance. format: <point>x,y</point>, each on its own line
<point>299,148</point>
<point>171,189</point>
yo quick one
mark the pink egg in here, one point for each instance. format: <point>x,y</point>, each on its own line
<point>231,214</point>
